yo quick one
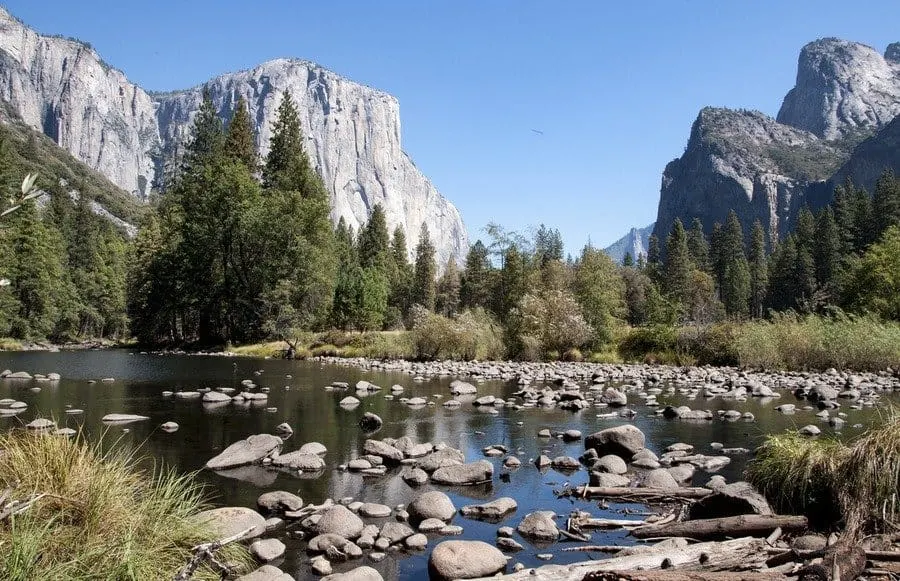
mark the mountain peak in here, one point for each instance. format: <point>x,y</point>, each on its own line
<point>892,53</point>
<point>843,87</point>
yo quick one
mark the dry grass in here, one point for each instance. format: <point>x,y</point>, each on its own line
<point>830,481</point>
<point>103,517</point>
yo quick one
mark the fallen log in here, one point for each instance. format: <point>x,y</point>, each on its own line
<point>688,493</point>
<point>606,523</point>
<point>737,554</point>
<point>746,525</point>
<point>884,556</point>
<point>684,576</point>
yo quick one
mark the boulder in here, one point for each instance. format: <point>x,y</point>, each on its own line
<point>338,520</point>
<point>300,461</point>
<point>215,397</point>
<point>416,542</point>
<point>683,474</point>
<point>494,510</point>
<point>465,560</point>
<point>40,424</point>
<point>231,520</point>
<point>266,573</point>
<point>390,454</point>
<point>462,388</point>
<point>267,549</point>
<point>313,448</point>
<point>624,441</point>
<point>565,463</point>
<point>370,422</point>
<point>363,573</point>
<point>250,451</point>
<point>397,532</point>
<point>349,402</point>
<point>321,543</point>
<point>122,418</point>
<point>614,398</point>
<point>434,504</point>
<point>610,463</point>
<point>607,480</point>
<point>374,510</point>
<point>464,474</point>
<point>730,500</point>
<point>278,502</point>
<point>440,459</point>
<point>659,478</point>
<point>539,526</point>
<point>414,476</point>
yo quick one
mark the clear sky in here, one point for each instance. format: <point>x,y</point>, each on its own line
<point>613,85</point>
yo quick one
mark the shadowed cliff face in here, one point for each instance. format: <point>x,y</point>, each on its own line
<point>64,89</point>
<point>767,170</point>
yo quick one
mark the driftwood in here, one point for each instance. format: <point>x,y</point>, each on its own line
<point>688,493</point>
<point>10,508</point>
<point>206,552</point>
<point>683,576</point>
<point>606,523</point>
<point>883,556</point>
<point>717,528</point>
<point>734,555</point>
<point>844,560</point>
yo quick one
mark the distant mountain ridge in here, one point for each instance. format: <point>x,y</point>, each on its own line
<point>63,88</point>
<point>830,126</point>
<point>634,243</point>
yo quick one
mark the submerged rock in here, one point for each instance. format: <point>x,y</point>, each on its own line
<point>231,520</point>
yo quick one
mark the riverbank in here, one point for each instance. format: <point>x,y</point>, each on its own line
<point>785,343</point>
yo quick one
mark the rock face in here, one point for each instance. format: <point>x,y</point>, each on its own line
<point>63,88</point>
<point>842,87</point>
<point>634,243</point>
<point>768,169</point>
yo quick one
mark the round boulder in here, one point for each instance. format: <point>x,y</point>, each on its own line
<point>433,504</point>
<point>338,520</point>
<point>465,560</point>
<point>231,520</point>
<point>624,441</point>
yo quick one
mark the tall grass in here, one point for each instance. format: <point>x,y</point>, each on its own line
<point>812,342</point>
<point>828,480</point>
<point>102,516</point>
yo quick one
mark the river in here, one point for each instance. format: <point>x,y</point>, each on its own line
<point>297,391</point>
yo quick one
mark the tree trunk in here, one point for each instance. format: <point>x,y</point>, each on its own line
<point>718,528</point>
<point>683,576</point>
<point>843,561</point>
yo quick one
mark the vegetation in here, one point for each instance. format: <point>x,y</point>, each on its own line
<point>102,517</point>
<point>856,482</point>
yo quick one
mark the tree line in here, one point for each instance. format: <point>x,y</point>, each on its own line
<point>238,249</point>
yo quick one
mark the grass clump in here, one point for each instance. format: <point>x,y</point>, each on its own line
<point>830,481</point>
<point>102,516</point>
<point>8,344</point>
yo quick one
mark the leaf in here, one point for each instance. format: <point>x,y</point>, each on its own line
<point>28,183</point>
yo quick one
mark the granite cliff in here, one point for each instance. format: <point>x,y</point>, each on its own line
<point>63,88</point>
<point>831,125</point>
<point>634,243</point>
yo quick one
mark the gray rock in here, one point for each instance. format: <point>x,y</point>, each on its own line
<point>321,566</point>
<point>250,451</point>
<point>266,573</point>
<point>278,502</point>
<point>493,510</point>
<point>508,545</point>
<point>169,427</point>
<point>462,388</point>
<point>607,480</point>
<point>363,573</point>
<point>683,474</point>
<point>539,526</point>
<point>809,430</point>
<point>433,504</point>
<point>123,418</point>
<point>40,424</point>
<point>465,560</point>
<point>374,510</point>
<point>614,398</point>
<point>215,397</point>
<point>231,520</point>
<point>300,461</point>
<point>565,463</point>
<point>338,520</point>
<point>313,448</point>
<point>464,474</point>
<point>397,532</point>
<point>730,500</point>
<point>416,542</point>
<point>349,402</point>
<point>370,422</point>
<point>659,478</point>
<point>390,454</point>
<point>431,525</point>
<point>542,461</point>
<point>267,549</point>
<point>414,476</point>
<point>624,441</point>
<point>440,459</point>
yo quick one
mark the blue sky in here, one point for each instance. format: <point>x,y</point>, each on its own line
<point>614,86</point>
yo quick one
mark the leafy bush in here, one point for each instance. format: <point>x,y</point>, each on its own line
<point>554,319</point>
<point>471,335</point>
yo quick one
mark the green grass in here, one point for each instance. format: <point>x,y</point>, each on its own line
<point>855,483</point>
<point>103,516</point>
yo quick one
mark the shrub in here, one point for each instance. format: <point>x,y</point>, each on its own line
<point>471,335</point>
<point>555,319</point>
<point>644,341</point>
<point>103,517</point>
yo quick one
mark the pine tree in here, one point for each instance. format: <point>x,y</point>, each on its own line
<point>863,220</point>
<point>698,247</point>
<point>827,252</point>
<point>373,244</point>
<point>759,273</point>
<point>207,138</point>
<point>600,291</point>
<point>476,280</point>
<point>717,265</point>
<point>886,202</point>
<point>627,260</point>
<point>510,283</point>
<point>240,142</point>
<point>805,231</point>
<point>447,295</point>
<point>678,267</point>
<point>654,259</point>
<point>782,275</point>
<point>423,289</point>
<point>844,216</point>
<point>735,286</point>
<point>399,301</point>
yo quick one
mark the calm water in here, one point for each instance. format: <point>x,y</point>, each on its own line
<point>315,415</point>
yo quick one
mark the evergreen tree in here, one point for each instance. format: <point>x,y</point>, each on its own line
<point>759,273</point>
<point>423,289</point>
<point>371,299</point>
<point>783,290</point>
<point>548,245</point>
<point>735,285</point>
<point>627,260</point>
<point>476,280</point>
<point>805,231</point>
<point>845,217</point>
<point>654,259</point>
<point>510,283</point>
<point>716,243</point>
<point>240,142</point>
<point>400,298</point>
<point>207,138</point>
<point>678,267</point>
<point>886,202</point>
<point>827,252</point>
<point>373,244</point>
<point>698,247</point>
<point>600,291</point>
<point>447,295</point>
